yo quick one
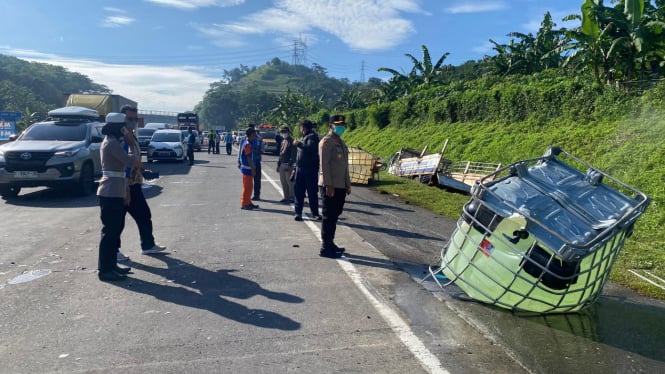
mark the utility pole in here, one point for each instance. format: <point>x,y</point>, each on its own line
<point>362,72</point>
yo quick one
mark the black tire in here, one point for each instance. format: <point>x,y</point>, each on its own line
<point>425,179</point>
<point>9,191</point>
<point>86,183</point>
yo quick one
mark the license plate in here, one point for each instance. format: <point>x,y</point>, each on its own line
<point>164,154</point>
<point>25,174</point>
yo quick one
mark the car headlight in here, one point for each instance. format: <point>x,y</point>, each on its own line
<point>178,150</point>
<point>67,153</point>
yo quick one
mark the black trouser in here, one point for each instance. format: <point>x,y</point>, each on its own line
<point>217,147</point>
<point>190,153</point>
<point>306,181</point>
<point>228,148</point>
<point>139,210</point>
<point>257,181</point>
<point>211,146</point>
<point>332,208</point>
<point>112,213</point>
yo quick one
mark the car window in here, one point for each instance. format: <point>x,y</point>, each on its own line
<point>44,131</point>
<point>166,137</point>
<point>96,131</point>
<point>146,132</point>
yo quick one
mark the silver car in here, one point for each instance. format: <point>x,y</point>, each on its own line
<point>144,135</point>
<point>63,152</point>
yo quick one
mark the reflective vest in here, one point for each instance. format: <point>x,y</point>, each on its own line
<point>244,157</point>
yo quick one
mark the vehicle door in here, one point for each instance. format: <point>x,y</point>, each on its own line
<point>95,141</point>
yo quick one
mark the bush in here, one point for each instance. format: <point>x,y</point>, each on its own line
<point>379,115</point>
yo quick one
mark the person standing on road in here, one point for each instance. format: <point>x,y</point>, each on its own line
<point>334,184</point>
<point>228,139</point>
<point>306,172</point>
<point>218,139</point>
<point>112,193</point>
<point>247,165</point>
<point>285,164</point>
<point>211,142</point>
<point>137,206</point>
<point>257,148</point>
<point>191,139</point>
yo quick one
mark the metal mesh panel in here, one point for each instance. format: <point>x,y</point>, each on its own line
<point>363,166</point>
<point>509,251</point>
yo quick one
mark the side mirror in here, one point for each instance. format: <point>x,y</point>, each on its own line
<point>96,139</point>
<point>12,137</point>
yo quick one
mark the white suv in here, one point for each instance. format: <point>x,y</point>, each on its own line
<point>60,152</point>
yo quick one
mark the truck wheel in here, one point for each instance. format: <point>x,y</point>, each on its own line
<point>7,191</point>
<point>425,179</point>
<point>86,184</point>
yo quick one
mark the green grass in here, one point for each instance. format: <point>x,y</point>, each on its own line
<point>435,199</point>
<point>631,149</point>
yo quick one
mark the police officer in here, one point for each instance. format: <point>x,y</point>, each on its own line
<point>334,183</point>
<point>112,193</point>
<point>306,173</point>
<point>285,164</point>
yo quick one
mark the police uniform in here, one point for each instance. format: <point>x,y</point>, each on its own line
<point>333,171</point>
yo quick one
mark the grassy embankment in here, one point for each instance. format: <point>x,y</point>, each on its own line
<point>630,147</point>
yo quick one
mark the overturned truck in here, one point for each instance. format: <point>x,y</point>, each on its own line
<point>434,170</point>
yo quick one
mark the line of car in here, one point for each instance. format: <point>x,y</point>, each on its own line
<point>64,151</point>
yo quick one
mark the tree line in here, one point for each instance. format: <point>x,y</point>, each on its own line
<point>621,43</point>
<point>617,43</point>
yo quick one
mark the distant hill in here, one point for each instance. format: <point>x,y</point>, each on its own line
<point>277,92</point>
<point>38,87</point>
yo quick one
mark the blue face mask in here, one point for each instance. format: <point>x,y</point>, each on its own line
<point>339,130</point>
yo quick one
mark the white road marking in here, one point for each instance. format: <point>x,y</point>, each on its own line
<point>426,358</point>
<point>647,279</point>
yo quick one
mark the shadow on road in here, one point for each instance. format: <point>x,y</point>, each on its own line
<point>62,198</point>
<point>199,288</point>
<point>392,231</point>
<point>375,206</point>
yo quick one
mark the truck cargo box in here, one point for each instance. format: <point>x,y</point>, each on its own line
<point>102,103</point>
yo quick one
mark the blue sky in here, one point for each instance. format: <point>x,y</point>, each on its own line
<point>165,53</point>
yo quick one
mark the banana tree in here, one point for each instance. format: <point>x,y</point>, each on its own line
<point>423,73</point>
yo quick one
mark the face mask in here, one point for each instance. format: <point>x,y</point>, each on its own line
<point>339,130</point>
<point>132,125</point>
<point>285,134</point>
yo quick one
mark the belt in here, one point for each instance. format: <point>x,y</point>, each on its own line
<point>113,174</point>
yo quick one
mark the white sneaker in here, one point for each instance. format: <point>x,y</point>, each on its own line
<point>122,257</point>
<point>155,249</point>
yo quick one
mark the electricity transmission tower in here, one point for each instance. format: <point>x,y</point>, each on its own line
<point>299,54</point>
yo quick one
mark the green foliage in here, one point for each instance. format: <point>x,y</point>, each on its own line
<point>279,93</point>
<point>618,132</point>
<point>379,115</point>
<point>38,87</point>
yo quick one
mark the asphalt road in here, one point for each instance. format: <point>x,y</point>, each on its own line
<point>245,291</point>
